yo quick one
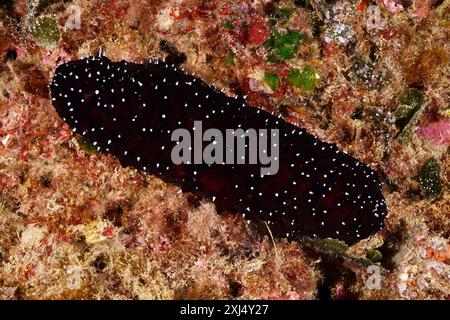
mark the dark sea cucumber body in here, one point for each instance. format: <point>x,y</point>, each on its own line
<point>130,110</point>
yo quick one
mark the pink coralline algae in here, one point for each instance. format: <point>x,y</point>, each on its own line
<point>421,8</point>
<point>393,6</point>
<point>437,132</point>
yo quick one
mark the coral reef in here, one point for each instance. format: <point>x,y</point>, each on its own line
<point>371,77</point>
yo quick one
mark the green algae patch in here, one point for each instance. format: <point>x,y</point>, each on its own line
<point>229,59</point>
<point>408,112</point>
<point>284,46</point>
<point>374,255</point>
<point>89,148</point>
<point>282,15</point>
<point>272,80</point>
<point>305,79</point>
<point>429,178</point>
<point>228,25</point>
<point>333,248</point>
<point>412,97</point>
<point>46,31</point>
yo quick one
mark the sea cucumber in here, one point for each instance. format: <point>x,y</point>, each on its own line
<point>130,110</point>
